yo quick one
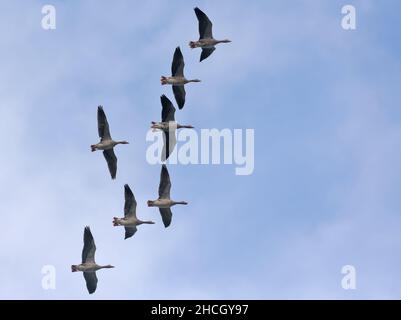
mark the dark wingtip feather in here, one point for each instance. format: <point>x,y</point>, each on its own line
<point>163,98</point>
<point>167,223</point>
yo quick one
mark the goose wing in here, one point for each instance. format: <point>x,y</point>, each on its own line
<point>206,52</point>
<point>102,124</point>
<point>129,232</point>
<point>177,67</point>
<point>169,142</point>
<point>179,94</point>
<point>91,281</point>
<point>205,25</point>
<point>168,109</point>
<point>130,202</point>
<point>166,216</point>
<point>111,159</point>
<point>165,184</point>
<point>88,252</point>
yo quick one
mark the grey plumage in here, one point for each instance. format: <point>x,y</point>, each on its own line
<point>129,232</point>
<point>179,94</point>
<point>91,281</point>
<point>130,202</point>
<point>111,160</point>
<point>102,124</point>
<point>168,109</point>
<point>89,249</point>
<point>88,256</point>
<point>177,66</point>
<point>167,216</point>
<point>169,139</point>
<point>129,210</point>
<point>206,52</point>
<point>165,183</point>
<point>177,70</point>
<point>205,25</point>
<point>169,142</point>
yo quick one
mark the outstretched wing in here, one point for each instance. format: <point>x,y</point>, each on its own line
<point>205,25</point>
<point>91,281</point>
<point>177,67</point>
<point>206,52</point>
<point>179,94</point>
<point>111,159</point>
<point>88,252</point>
<point>129,232</point>
<point>102,124</point>
<point>169,142</point>
<point>130,202</point>
<point>165,183</point>
<point>166,216</point>
<point>168,109</point>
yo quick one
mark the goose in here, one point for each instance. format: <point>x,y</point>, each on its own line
<point>106,142</point>
<point>164,203</point>
<point>206,40</point>
<point>177,80</point>
<point>88,265</point>
<point>130,221</point>
<point>168,125</point>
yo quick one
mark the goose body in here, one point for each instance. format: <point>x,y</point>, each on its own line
<point>88,265</point>
<point>106,143</point>
<point>168,125</point>
<point>130,220</point>
<point>206,40</point>
<point>177,78</point>
<point>164,203</point>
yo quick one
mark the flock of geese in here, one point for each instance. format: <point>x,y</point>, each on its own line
<point>168,125</point>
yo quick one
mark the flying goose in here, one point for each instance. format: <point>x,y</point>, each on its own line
<point>206,40</point>
<point>168,125</point>
<point>106,142</point>
<point>164,203</point>
<point>177,79</point>
<point>88,265</point>
<point>130,221</point>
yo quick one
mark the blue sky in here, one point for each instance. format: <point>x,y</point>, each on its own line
<point>324,104</point>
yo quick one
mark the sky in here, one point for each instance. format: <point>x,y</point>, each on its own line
<point>324,106</point>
